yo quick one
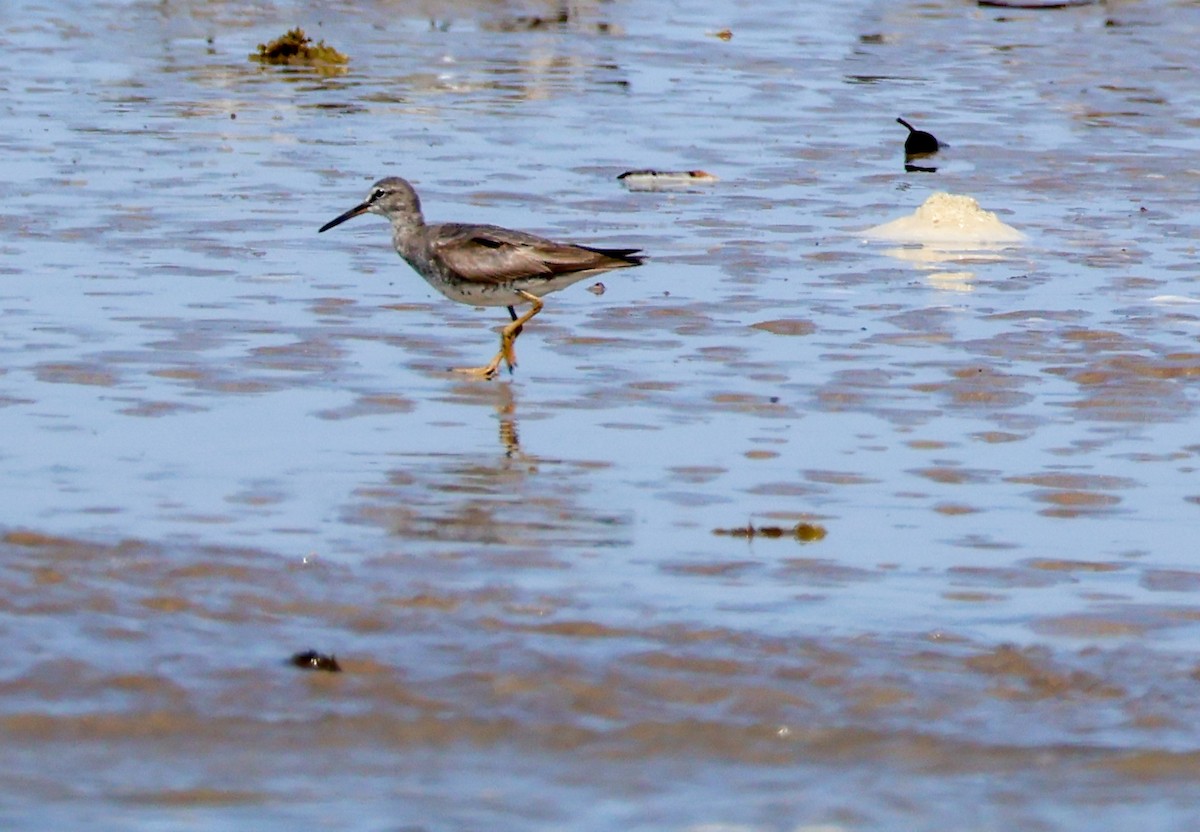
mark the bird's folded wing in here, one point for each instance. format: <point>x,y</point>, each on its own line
<point>487,254</point>
<point>482,256</point>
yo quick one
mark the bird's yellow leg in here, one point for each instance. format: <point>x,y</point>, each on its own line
<point>507,337</point>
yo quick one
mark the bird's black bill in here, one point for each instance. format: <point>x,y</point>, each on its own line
<point>349,215</point>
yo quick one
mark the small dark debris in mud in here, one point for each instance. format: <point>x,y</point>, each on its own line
<point>530,22</point>
<point>1034,4</point>
<point>296,48</point>
<point>312,660</point>
<point>804,532</point>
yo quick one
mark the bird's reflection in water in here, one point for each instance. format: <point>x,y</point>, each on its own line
<point>503,399</point>
<point>915,168</point>
<point>506,415</point>
<point>539,506</point>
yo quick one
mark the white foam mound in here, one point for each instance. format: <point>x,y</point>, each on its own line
<point>947,218</point>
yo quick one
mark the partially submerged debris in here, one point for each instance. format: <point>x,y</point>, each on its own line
<point>804,532</point>
<point>295,48</point>
<point>919,143</point>
<point>662,180</point>
<point>312,660</point>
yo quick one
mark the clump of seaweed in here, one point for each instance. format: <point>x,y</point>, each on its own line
<point>295,48</point>
<point>803,532</point>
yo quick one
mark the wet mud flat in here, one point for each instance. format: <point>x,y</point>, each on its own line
<point>443,681</point>
<point>579,595</point>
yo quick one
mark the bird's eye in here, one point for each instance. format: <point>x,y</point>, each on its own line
<point>376,194</point>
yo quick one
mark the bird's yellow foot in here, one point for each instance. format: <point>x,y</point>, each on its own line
<point>484,373</point>
<point>481,373</point>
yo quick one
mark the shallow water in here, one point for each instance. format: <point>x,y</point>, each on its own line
<point>226,439</point>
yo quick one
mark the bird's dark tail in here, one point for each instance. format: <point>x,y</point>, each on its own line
<point>629,256</point>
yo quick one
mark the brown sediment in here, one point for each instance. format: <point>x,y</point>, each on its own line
<point>786,326</point>
<point>1038,676</point>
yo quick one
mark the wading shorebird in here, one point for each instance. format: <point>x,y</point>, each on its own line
<point>483,265</point>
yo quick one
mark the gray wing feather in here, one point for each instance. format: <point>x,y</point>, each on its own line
<point>490,254</point>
